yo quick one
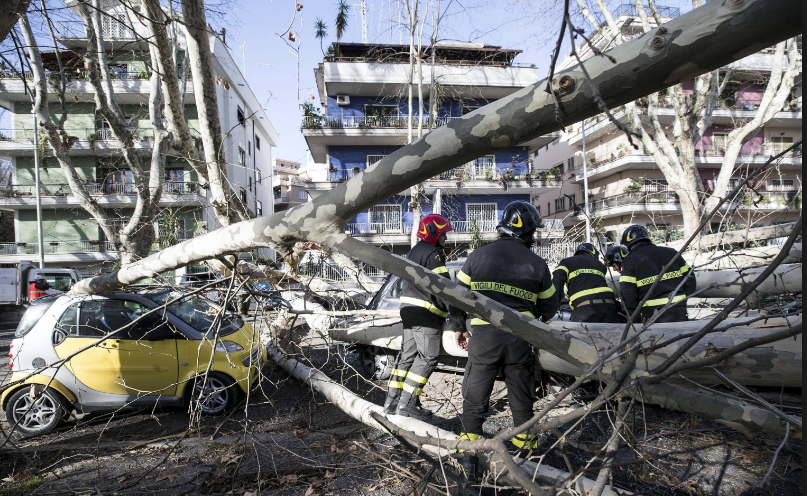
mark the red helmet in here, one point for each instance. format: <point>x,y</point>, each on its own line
<point>432,226</point>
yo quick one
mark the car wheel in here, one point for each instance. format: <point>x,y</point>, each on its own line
<point>212,396</point>
<point>375,363</point>
<point>38,416</point>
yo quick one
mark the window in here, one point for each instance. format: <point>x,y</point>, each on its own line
<point>113,25</point>
<point>482,168</point>
<point>242,157</point>
<point>60,282</point>
<point>380,111</point>
<point>303,194</point>
<point>118,71</point>
<point>570,164</point>
<point>102,130</point>
<point>250,183</point>
<point>98,318</point>
<point>198,313</point>
<point>781,185</point>
<point>560,204</point>
<point>573,200</point>
<point>559,168</point>
<point>548,210</point>
<point>243,195</point>
<point>259,208</point>
<point>170,231</point>
<point>117,182</point>
<point>257,143</point>
<point>374,159</point>
<point>242,119</point>
<point>259,180</point>
<point>483,215</point>
<point>249,148</point>
<point>385,218</point>
<point>719,141</point>
<point>174,180</point>
<point>655,185</point>
<point>67,325</point>
<point>779,144</point>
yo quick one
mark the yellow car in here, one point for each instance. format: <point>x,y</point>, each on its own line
<point>127,350</point>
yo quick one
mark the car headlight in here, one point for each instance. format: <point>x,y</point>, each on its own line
<point>228,346</point>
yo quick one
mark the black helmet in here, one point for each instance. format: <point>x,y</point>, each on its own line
<point>633,235</point>
<point>586,249</point>
<point>519,218</point>
<point>616,254</point>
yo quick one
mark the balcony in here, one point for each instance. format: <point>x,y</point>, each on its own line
<point>661,201</point>
<point>82,141</point>
<point>69,250</point>
<point>281,199</point>
<point>386,130</point>
<point>472,177</point>
<point>704,157</point>
<point>175,193</point>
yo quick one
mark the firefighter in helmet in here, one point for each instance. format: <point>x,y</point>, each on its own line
<point>614,257</point>
<point>422,316</point>
<point>641,268</point>
<point>508,272</point>
<point>589,295</point>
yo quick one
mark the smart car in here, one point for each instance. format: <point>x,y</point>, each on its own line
<point>186,350</point>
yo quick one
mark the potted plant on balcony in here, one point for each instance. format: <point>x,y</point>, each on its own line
<point>54,243</point>
<point>355,170</point>
<point>22,245</point>
<point>94,242</point>
<point>634,187</point>
<point>622,150</point>
<point>508,174</point>
<point>489,175</point>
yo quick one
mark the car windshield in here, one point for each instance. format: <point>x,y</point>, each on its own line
<point>61,282</point>
<point>197,312</point>
<point>31,316</point>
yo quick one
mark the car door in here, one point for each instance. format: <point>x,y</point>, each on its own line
<point>131,362</point>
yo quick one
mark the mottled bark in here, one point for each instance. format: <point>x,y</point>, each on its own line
<point>226,203</point>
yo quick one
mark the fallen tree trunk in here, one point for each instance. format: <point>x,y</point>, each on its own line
<point>740,259</point>
<point>361,410</point>
<point>729,283</point>
<point>739,236</point>
<point>753,367</point>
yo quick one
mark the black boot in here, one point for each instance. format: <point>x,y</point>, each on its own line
<point>469,466</point>
<point>413,412</point>
<point>390,405</point>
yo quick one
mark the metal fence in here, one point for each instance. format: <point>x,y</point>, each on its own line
<point>371,121</point>
<point>364,228</point>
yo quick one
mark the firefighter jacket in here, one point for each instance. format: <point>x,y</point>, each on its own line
<point>415,299</point>
<point>508,272</point>
<point>585,276</point>
<point>641,268</point>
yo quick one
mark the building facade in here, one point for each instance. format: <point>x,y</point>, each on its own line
<point>288,186</point>
<point>71,236</point>
<point>627,187</point>
<point>364,117</point>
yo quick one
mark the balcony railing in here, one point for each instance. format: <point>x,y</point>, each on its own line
<point>639,199</point>
<point>87,135</point>
<point>281,198</point>
<point>469,226</point>
<point>29,190</point>
<point>74,246</point>
<point>61,246</point>
<point>370,122</point>
<point>368,229</point>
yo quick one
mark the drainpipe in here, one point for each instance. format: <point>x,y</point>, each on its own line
<point>38,196</point>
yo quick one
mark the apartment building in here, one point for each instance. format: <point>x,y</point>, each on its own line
<point>364,116</point>
<point>288,186</point>
<point>71,237</point>
<point>627,187</point>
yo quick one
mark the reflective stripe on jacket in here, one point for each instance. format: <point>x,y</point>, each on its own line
<point>585,277</point>
<point>640,270</point>
<point>508,272</point>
